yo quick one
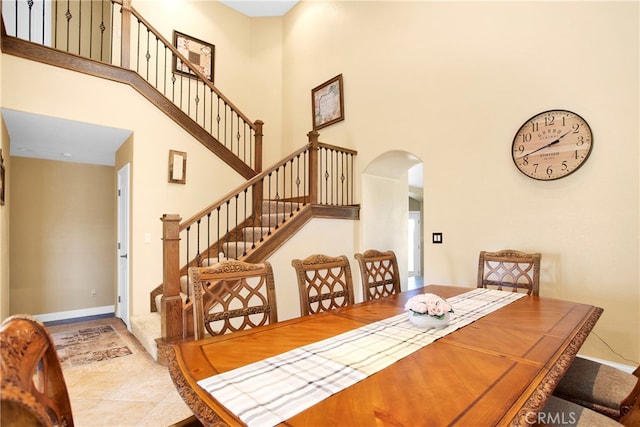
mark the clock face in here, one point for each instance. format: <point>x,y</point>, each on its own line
<point>552,145</point>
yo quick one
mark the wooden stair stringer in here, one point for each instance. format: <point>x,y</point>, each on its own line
<point>46,55</point>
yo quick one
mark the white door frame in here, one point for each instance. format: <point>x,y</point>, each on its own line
<point>122,302</point>
<point>415,249</point>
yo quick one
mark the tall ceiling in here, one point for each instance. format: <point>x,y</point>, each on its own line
<point>255,8</point>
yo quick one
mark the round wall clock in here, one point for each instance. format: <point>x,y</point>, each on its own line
<point>552,145</point>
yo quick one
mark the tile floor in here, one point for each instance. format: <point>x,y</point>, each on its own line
<point>127,391</point>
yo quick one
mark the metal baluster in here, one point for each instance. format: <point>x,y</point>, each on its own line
<point>227,230</point>
<point>277,196</point>
<point>297,182</point>
<point>268,200</point>
<point>157,59</point>
<point>188,292</point>
<point>147,54</point>
<point>218,230</point>
<point>291,184</point>
<point>218,120</point>
<point>111,32</point>
<point>68,16</point>
<point>189,96</point>
<point>30,5</point>
<point>43,22</point>
<point>204,106</point>
<point>138,49</point>
<point>305,176</point>
<point>209,237</point>
<point>198,243</point>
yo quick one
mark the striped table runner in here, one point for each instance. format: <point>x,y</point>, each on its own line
<point>272,390</point>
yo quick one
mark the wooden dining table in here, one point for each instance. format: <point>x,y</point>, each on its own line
<point>498,370</point>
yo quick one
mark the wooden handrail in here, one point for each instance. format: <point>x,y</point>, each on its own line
<point>193,69</point>
<point>235,133</point>
<point>204,212</point>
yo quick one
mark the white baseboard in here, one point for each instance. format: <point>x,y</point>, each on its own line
<point>622,367</point>
<point>72,314</point>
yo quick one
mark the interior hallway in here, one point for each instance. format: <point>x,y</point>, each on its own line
<point>126,391</point>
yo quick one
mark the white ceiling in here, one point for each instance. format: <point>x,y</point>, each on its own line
<point>43,137</point>
<point>256,8</point>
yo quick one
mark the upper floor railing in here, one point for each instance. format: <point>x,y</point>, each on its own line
<point>113,32</point>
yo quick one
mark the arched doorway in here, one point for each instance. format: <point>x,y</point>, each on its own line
<point>387,188</point>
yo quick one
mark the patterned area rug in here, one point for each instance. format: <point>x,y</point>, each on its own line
<point>89,345</point>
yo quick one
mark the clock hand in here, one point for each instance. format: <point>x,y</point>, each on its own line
<point>551,143</point>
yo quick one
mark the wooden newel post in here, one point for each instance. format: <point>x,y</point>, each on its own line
<point>258,189</point>
<point>313,166</point>
<point>258,146</point>
<point>171,313</point>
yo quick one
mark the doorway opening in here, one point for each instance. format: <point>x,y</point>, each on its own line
<point>388,183</point>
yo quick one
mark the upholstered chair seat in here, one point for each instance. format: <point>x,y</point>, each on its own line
<point>600,387</point>
<point>560,412</point>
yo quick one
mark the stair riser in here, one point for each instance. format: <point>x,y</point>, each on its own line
<point>279,207</point>
<point>254,234</point>
<point>272,220</point>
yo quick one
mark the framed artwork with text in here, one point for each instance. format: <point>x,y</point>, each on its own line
<point>327,102</point>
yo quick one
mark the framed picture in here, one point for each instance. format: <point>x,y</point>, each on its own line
<point>327,103</point>
<point>199,53</point>
<point>177,167</point>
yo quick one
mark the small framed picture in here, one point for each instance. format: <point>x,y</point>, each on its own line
<point>199,53</point>
<point>327,101</point>
<point>177,167</point>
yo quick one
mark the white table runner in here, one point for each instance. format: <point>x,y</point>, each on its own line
<point>272,390</point>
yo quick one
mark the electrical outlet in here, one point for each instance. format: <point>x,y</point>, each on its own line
<point>437,238</point>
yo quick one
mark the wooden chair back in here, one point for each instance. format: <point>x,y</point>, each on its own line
<point>34,392</point>
<point>510,268</point>
<point>379,273</point>
<point>324,283</point>
<point>232,296</point>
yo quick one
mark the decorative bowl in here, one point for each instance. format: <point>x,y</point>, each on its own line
<point>426,321</point>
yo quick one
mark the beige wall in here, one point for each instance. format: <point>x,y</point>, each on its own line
<point>63,232</point>
<point>319,236</point>
<point>74,97</point>
<point>451,82</point>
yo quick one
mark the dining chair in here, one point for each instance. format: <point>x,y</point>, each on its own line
<point>510,268</point>
<point>232,296</point>
<point>324,283</point>
<point>379,273</point>
<point>34,392</point>
<point>600,387</point>
<point>560,412</point>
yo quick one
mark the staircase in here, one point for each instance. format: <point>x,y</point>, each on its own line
<point>255,218</point>
<point>146,327</point>
<point>277,212</point>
